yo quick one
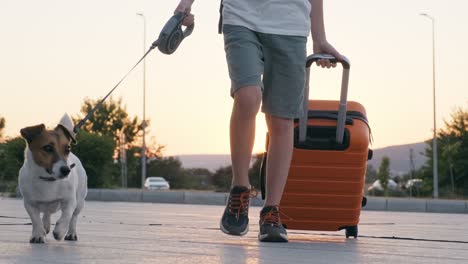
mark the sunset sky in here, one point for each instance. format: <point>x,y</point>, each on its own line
<point>53,54</point>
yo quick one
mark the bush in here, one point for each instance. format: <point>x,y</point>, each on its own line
<point>169,168</point>
<point>200,179</point>
<point>222,179</point>
<point>11,160</point>
<point>95,153</point>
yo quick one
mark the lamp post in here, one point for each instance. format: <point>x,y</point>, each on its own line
<point>434,139</point>
<point>143,145</point>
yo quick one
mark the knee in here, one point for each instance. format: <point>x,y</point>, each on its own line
<point>247,101</point>
<point>280,126</point>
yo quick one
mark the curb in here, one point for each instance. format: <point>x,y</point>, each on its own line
<point>212,198</point>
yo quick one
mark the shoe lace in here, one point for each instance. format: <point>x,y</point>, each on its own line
<point>273,217</point>
<point>239,202</point>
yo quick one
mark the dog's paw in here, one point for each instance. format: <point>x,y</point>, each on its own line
<point>47,229</point>
<point>38,235</point>
<point>37,240</point>
<point>57,235</point>
<point>60,231</point>
<point>71,237</point>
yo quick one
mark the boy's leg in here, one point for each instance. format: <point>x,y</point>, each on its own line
<point>280,147</point>
<point>284,80</point>
<point>280,131</point>
<point>242,132</point>
<point>245,63</point>
<point>235,220</point>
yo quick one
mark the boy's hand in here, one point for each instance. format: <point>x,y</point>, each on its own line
<point>185,7</point>
<point>326,48</point>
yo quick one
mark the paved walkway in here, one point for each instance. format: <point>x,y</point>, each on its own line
<point>176,233</point>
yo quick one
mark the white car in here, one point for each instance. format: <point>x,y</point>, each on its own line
<point>416,183</point>
<point>156,183</point>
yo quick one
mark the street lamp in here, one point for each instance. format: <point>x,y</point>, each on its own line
<point>434,138</point>
<point>143,146</point>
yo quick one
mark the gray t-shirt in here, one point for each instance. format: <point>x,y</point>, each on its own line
<point>282,17</point>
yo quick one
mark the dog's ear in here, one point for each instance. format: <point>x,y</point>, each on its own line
<point>29,133</point>
<point>66,124</point>
<point>66,132</point>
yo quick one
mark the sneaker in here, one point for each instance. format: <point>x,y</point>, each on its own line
<point>235,220</point>
<point>271,229</point>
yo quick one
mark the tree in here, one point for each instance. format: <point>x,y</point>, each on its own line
<point>384,173</point>
<point>410,176</point>
<point>371,174</point>
<point>11,159</point>
<point>453,140</point>
<point>171,169</point>
<point>96,154</point>
<point>111,118</point>
<point>134,167</point>
<point>154,150</point>
<point>449,152</point>
<point>222,179</point>
<point>2,126</point>
<point>201,178</point>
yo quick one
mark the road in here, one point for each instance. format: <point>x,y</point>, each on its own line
<point>116,232</point>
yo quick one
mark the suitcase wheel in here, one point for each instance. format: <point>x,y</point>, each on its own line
<point>352,231</point>
<point>364,201</point>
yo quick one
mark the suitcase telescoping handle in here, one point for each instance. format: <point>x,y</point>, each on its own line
<point>343,97</point>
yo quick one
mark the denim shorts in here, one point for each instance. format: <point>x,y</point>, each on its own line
<point>275,63</point>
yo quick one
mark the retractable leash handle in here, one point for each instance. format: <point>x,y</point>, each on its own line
<point>168,41</point>
<point>172,34</point>
<point>343,97</point>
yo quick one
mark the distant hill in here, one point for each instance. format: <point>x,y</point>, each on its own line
<point>399,158</point>
<point>211,162</point>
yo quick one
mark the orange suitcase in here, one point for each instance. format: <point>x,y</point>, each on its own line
<point>324,190</point>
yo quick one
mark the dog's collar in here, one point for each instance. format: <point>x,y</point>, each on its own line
<point>47,178</point>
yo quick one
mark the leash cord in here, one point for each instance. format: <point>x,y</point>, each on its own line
<point>83,121</point>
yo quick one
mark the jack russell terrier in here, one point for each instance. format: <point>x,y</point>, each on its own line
<point>52,179</point>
